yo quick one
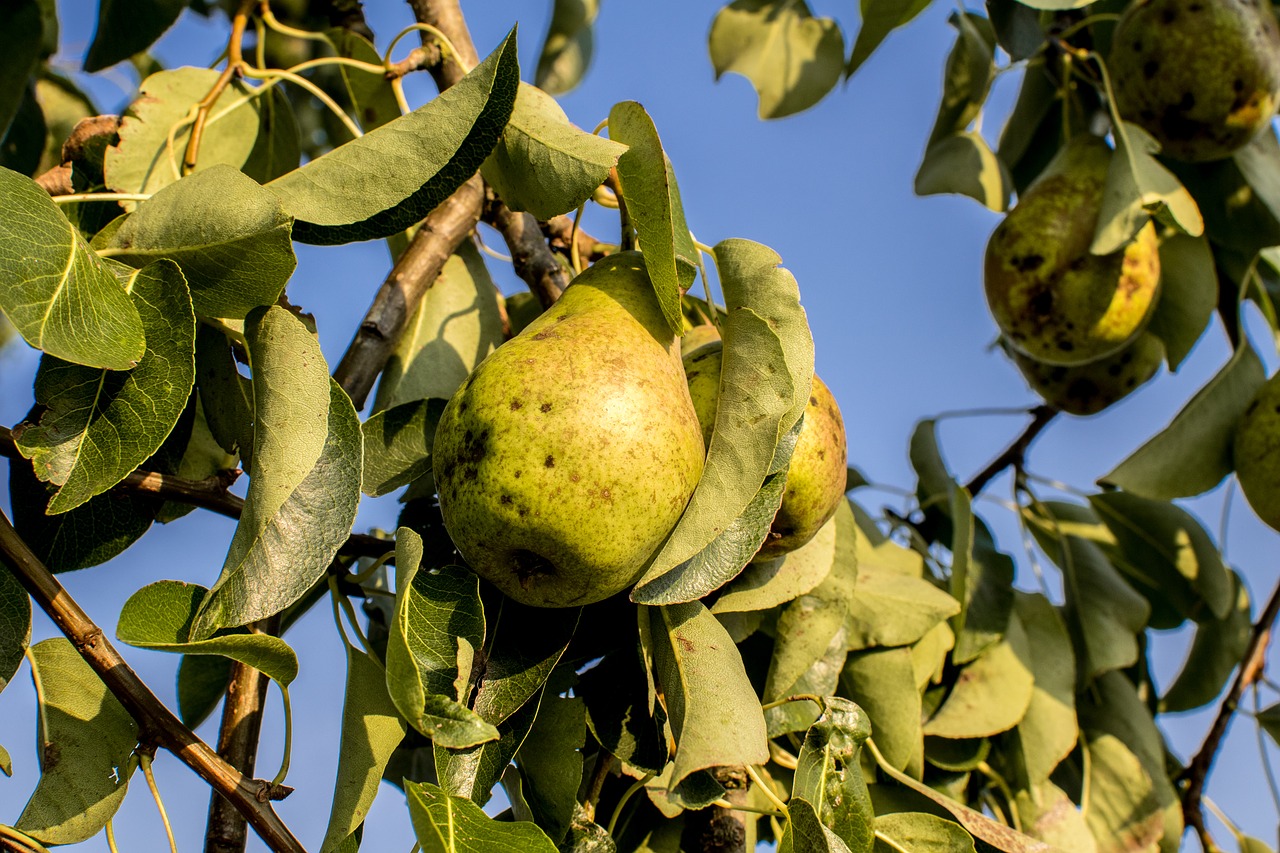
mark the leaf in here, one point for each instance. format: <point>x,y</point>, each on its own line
<point>542,163</point>
<point>820,678</point>
<point>202,682</point>
<point>550,760</point>
<point>891,609</point>
<point>444,823</point>
<point>250,133</point>
<point>20,47</point>
<point>618,711</point>
<point>879,18</point>
<point>791,58</point>
<point>126,27</point>
<point>1193,453</point>
<point>96,426</point>
<point>920,833</point>
<point>1056,5</point>
<point>764,584</point>
<point>528,643</point>
<point>969,72</point>
<point>372,97</point>
<point>371,730</point>
<point>59,296</point>
<point>653,203</point>
<point>805,833</point>
<point>991,694</point>
<point>393,176</point>
<point>713,711</point>
<point>1048,814</point>
<point>1188,295</point>
<point>437,629</point>
<point>84,745</point>
<point>229,235</point>
<point>1123,810</point>
<point>989,589</point>
<point>1217,648</point>
<point>828,774</point>
<point>567,49</point>
<point>1047,732</point>
<point>1137,188</point>
<point>15,625</point>
<point>472,772</point>
<point>456,325</point>
<point>963,163</point>
<point>287,535</point>
<point>225,395</point>
<point>159,617</point>
<point>882,682</point>
<point>397,445</point>
<point>1256,163</point>
<point>805,630</point>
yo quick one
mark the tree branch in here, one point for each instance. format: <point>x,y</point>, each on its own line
<point>717,829</point>
<point>530,255</point>
<point>249,796</point>
<point>1197,771</point>
<point>1041,417</point>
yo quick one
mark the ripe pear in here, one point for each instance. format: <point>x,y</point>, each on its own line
<point>1201,76</point>
<point>819,464</point>
<point>1086,389</point>
<point>1054,300</point>
<point>568,455</point>
<point>1257,452</point>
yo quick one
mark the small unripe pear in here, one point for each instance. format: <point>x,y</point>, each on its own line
<point>1257,452</point>
<point>1086,389</point>
<point>1201,76</point>
<point>568,455</point>
<point>1054,300</point>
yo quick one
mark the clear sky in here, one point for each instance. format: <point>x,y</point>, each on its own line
<point>892,285</point>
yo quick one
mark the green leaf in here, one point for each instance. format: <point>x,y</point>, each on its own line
<point>20,29</point>
<point>437,630</point>
<point>230,236</point>
<point>159,617</point>
<point>96,426</point>
<point>879,18</point>
<point>618,712</point>
<point>1193,453</point>
<point>1188,295</point>
<point>60,297</point>
<point>1217,648</point>
<point>85,746</point>
<point>807,628</point>
<point>653,203</point>
<point>202,682</point>
<point>567,49</point>
<point>444,823</point>
<point>472,772</point>
<point>820,678</point>
<point>551,763</point>
<point>713,711</point>
<point>1047,732</point>
<point>372,97</point>
<point>920,832</point>
<point>306,477</point>
<point>397,445</point>
<point>1256,163</point>
<point>225,395</point>
<point>371,730</point>
<point>882,682</point>
<point>805,833</point>
<point>456,325</point>
<point>1137,188</point>
<point>528,642</point>
<point>969,72</point>
<point>828,774</point>
<point>990,694</point>
<point>6,762</point>
<point>23,147</point>
<point>1048,814</point>
<point>765,584</point>
<point>963,163</point>
<point>542,163</point>
<point>15,625</point>
<point>892,609</point>
<point>396,174</point>
<point>254,134</point>
<point>126,27</point>
<point>1123,811</point>
<point>988,592</point>
<point>791,58</point>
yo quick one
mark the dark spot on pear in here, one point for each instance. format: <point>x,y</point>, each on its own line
<point>549,462</point>
<point>1188,102</point>
<point>544,408</point>
<point>1150,68</point>
<point>527,565</point>
<point>505,499</point>
<point>813,401</point>
<point>515,405</point>
<point>1042,303</point>
<point>1028,263</point>
<point>543,335</point>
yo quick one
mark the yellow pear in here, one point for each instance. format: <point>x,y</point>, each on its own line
<point>568,455</point>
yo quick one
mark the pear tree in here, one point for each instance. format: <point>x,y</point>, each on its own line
<point>640,596</point>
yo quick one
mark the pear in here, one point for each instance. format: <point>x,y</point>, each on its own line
<point>1054,300</point>
<point>1201,76</point>
<point>1257,452</point>
<point>568,455</point>
<point>1087,389</point>
<point>819,463</point>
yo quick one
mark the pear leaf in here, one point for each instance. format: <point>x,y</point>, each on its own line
<point>371,730</point>
<point>444,823</point>
<point>653,203</point>
<point>567,49</point>
<point>891,609</point>
<point>159,617</point>
<point>397,445</point>
<point>1123,805</point>
<point>15,625</point>
<point>879,18</point>
<point>396,174</point>
<point>920,832</point>
<point>883,684</point>
<point>991,693</point>
<point>1048,731</point>
<point>20,29</point>
<point>372,96</point>
<point>829,775</point>
<point>1188,295</point>
<point>126,27</point>
<point>963,163</point>
<point>229,235</point>
<point>550,763</point>
<point>225,395</point>
<point>969,72</point>
<point>472,771</point>
<point>791,58</point>
<point>85,749</point>
<point>1193,453</point>
<point>1138,187</point>
<point>806,833</point>
<point>542,163</point>
<point>202,683</point>
<point>769,583</point>
<point>528,643</point>
<point>1218,646</point>
<point>57,293</point>
<point>96,426</point>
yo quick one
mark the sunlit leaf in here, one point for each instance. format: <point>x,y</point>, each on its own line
<point>991,693</point>
<point>805,832</point>
<point>1047,732</point>
<point>882,682</point>
<point>444,823</point>
<point>828,774</point>
<point>891,609</point>
<point>472,772</point>
<point>1124,811</point>
<point>768,583</point>
<point>879,18</point>
<point>964,163</point>
<point>920,832</point>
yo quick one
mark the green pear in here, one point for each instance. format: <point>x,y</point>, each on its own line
<point>568,455</point>
<point>1086,389</point>
<point>1257,452</point>
<point>1054,300</point>
<point>819,464</point>
<point>1201,76</point>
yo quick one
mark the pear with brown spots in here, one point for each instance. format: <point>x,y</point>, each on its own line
<point>1086,389</point>
<point>819,465</point>
<point>568,455</point>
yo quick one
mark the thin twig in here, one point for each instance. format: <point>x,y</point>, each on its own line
<point>235,64</point>
<point>163,728</point>
<point>1197,771</point>
<point>1041,417</point>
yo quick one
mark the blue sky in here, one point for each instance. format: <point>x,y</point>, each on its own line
<point>892,285</point>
